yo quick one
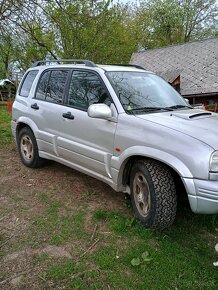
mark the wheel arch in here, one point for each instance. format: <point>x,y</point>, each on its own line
<point>127,166</point>
<point>179,184</point>
<point>28,150</point>
<point>176,166</point>
<point>25,122</point>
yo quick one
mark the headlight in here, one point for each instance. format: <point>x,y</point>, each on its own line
<point>214,162</point>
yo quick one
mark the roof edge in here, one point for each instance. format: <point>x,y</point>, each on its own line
<point>174,45</point>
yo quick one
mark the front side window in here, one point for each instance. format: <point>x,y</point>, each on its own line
<point>140,90</point>
<point>52,85</point>
<point>86,89</point>
<point>27,83</point>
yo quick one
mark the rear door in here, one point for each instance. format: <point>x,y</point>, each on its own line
<point>46,108</point>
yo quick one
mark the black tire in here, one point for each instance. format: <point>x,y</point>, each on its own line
<point>28,148</point>
<point>153,194</point>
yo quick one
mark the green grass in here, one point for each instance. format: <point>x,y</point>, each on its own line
<point>178,258</point>
<point>89,194</point>
<point>181,257</point>
<point>100,214</point>
<point>57,228</point>
<point>5,126</point>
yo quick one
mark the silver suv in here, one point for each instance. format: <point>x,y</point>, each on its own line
<point>124,126</point>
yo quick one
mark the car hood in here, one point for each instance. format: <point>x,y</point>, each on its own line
<point>199,124</point>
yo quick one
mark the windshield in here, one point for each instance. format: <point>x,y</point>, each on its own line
<point>138,91</point>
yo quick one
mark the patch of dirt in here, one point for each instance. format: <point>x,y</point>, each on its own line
<point>23,196</point>
<point>50,250</point>
<point>55,252</point>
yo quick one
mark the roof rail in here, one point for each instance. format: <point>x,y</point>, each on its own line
<point>131,65</point>
<point>45,62</point>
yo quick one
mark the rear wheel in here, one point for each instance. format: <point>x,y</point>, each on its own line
<point>153,194</point>
<point>28,148</point>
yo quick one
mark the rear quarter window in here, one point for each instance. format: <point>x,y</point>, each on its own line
<point>27,83</point>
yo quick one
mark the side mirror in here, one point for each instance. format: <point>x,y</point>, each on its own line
<point>187,101</point>
<point>100,111</point>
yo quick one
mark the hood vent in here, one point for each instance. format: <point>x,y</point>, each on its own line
<point>200,115</point>
<point>191,114</point>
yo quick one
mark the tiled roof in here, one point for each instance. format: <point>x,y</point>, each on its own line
<point>170,75</point>
<point>196,62</point>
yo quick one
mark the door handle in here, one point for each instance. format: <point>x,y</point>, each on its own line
<point>35,106</point>
<point>68,116</point>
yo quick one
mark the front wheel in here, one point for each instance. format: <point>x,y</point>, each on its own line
<point>28,148</point>
<point>153,194</point>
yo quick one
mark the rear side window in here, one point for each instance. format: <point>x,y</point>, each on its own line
<point>52,85</point>
<point>27,83</point>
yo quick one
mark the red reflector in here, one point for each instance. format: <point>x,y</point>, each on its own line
<point>118,149</point>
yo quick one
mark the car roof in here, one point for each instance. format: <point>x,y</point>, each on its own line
<point>108,68</point>
<point>42,65</point>
<point>120,68</point>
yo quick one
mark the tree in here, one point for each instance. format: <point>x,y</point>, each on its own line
<point>198,15</point>
<point>98,30</point>
<point>31,35</point>
<point>89,29</point>
<point>8,7</point>
<point>71,29</point>
<point>168,22</point>
<point>6,52</point>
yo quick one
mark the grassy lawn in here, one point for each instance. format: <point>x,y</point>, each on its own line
<point>5,132</point>
<point>60,229</point>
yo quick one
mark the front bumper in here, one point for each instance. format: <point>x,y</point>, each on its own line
<point>202,195</point>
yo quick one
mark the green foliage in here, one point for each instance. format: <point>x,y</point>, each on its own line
<point>6,53</point>
<point>135,262</point>
<point>141,260</point>
<point>2,70</point>
<point>104,32</point>
<point>163,23</point>
<point>167,22</point>
<point>198,16</point>
<point>91,31</point>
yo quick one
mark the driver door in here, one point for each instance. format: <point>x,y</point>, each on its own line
<point>84,141</point>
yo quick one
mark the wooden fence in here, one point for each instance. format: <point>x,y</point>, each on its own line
<point>9,104</point>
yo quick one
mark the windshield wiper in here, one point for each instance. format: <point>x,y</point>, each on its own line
<point>180,107</point>
<point>145,109</point>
